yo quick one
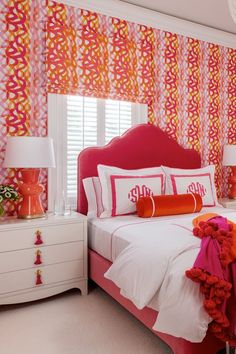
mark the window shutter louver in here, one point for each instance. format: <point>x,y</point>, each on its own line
<point>81,133</point>
<point>117,118</point>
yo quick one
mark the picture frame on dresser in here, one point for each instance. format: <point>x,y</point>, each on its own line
<point>42,257</point>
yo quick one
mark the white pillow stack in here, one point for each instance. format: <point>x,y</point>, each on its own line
<point>115,191</point>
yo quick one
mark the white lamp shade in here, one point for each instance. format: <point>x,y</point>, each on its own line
<point>229,155</point>
<point>29,152</point>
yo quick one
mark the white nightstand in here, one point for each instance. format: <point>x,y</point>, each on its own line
<point>42,257</point>
<point>228,203</point>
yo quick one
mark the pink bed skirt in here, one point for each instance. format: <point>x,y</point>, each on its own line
<point>99,265</point>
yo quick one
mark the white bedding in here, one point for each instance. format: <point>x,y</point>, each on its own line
<point>110,236</point>
<point>150,257</point>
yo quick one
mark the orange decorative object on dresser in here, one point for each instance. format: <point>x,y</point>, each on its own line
<point>31,190</point>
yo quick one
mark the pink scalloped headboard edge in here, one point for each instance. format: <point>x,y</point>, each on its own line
<point>144,145</point>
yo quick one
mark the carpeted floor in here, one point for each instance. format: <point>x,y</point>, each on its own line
<point>73,324</point>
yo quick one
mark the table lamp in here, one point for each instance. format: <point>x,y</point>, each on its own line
<point>229,159</point>
<point>29,154</point>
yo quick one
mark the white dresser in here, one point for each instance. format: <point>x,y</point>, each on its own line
<point>42,257</point>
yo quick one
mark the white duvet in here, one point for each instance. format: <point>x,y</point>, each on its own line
<point>150,271</point>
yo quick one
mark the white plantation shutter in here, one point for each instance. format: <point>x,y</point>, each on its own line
<point>117,118</point>
<point>84,116</point>
<point>77,122</point>
<point>81,132</point>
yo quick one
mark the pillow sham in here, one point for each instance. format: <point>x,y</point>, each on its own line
<point>93,192</point>
<point>105,172</point>
<point>148,207</point>
<point>126,190</point>
<point>200,180</point>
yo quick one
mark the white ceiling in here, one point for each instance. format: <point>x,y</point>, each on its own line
<point>212,13</point>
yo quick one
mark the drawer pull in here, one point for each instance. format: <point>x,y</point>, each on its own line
<point>38,257</point>
<point>39,240</point>
<point>38,278</point>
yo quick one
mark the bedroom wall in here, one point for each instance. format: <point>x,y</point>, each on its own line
<point>189,85</point>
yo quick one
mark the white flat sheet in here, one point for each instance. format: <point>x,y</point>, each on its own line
<point>150,257</point>
<point>110,236</point>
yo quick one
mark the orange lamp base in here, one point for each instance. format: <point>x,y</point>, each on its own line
<point>232,181</point>
<point>31,206</point>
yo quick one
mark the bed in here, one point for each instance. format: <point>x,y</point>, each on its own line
<point>140,147</point>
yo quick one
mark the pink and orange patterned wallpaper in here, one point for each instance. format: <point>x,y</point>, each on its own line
<point>189,85</point>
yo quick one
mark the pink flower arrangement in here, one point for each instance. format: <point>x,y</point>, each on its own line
<point>7,193</point>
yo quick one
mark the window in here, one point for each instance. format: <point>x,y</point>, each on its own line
<point>77,122</point>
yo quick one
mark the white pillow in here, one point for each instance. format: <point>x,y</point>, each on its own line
<point>93,192</point>
<point>200,180</point>
<point>126,190</point>
<point>105,172</point>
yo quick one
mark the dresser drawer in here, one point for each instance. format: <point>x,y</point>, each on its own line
<point>34,237</point>
<point>43,256</point>
<point>26,279</point>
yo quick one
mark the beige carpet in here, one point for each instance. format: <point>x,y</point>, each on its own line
<point>73,324</point>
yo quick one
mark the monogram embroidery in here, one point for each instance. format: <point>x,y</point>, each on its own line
<point>196,187</point>
<point>139,191</point>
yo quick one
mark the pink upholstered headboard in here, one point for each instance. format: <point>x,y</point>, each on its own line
<point>142,146</point>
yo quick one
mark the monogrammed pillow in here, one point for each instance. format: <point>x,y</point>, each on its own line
<point>200,180</point>
<point>126,191</point>
<point>105,172</point>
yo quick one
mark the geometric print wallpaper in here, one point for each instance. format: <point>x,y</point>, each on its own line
<point>188,84</point>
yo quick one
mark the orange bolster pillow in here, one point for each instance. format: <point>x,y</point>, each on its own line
<point>168,205</point>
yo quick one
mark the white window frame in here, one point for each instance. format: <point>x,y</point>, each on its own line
<point>57,130</point>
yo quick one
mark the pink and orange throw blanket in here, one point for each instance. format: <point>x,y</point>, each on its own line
<point>215,271</point>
